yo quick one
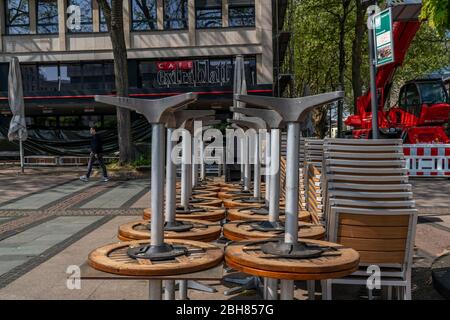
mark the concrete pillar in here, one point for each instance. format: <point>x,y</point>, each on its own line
<point>62,5</point>
<point>191,22</point>
<point>2,23</point>
<point>127,22</point>
<point>263,12</point>
<point>160,14</point>
<point>95,16</point>
<point>225,13</point>
<point>33,19</point>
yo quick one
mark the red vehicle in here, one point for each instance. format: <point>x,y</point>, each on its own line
<point>422,112</point>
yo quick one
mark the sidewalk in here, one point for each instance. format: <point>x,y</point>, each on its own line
<point>50,220</point>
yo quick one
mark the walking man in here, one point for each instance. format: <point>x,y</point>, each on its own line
<point>96,154</point>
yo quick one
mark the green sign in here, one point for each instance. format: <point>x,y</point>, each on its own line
<point>384,42</point>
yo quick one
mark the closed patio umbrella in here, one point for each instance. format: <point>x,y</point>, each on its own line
<point>239,87</point>
<point>239,84</point>
<point>17,127</point>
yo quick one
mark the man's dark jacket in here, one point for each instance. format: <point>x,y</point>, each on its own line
<point>96,144</point>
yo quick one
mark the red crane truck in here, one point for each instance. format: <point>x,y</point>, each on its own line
<point>421,114</point>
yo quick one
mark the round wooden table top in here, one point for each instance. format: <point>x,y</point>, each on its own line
<point>243,230</point>
<point>238,203</point>
<point>200,200</point>
<point>208,214</point>
<point>249,214</point>
<point>113,258</point>
<point>234,194</point>
<point>238,189</point>
<point>206,188</point>
<point>204,194</point>
<point>336,262</point>
<point>201,231</point>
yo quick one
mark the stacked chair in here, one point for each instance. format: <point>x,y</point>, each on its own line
<point>369,206</point>
<point>311,179</point>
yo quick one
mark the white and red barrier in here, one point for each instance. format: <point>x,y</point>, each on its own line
<point>427,159</point>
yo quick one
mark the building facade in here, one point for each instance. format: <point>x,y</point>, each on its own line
<point>173,46</point>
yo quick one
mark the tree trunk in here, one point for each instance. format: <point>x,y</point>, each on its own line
<point>320,121</point>
<point>341,74</point>
<point>357,53</point>
<point>114,20</point>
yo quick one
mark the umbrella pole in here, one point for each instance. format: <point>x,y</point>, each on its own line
<point>274,191</point>
<point>257,175</point>
<point>184,170</point>
<point>22,169</point>
<point>267,177</point>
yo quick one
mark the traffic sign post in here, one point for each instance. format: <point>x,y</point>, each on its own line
<point>384,43</point>
<point>381,52</point>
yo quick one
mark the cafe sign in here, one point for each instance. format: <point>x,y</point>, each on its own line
<point>193,73</point>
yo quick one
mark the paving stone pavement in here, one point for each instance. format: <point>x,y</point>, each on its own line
<point>48,222</point>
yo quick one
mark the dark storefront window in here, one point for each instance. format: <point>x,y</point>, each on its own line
<point>71,77</point>
<point>46,121</point>
<point>109,122</point>
<point>175,14</point>
<point>193,73</point>
<point>147,71</point>
<point>47,16</point>
<point>48,78</point>
<point>29,77</point>
<point>250,71</point>
<point>143,15</point>
<point>103,24</point>
<point>68,77</point>
<point>93,76</point>
<point>17,17</point>
<point>4,70</point>
<point>241,13</point>
<point>86,14</point>
<point>88,121</point>
<point>208,13</point>
<point>69,121</point>
<point>109,80</point>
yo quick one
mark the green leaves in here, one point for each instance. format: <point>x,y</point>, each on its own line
<point>437,12</point>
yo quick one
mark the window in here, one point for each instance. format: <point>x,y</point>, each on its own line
<point>17,17</point>
<point>4,70</point>
<point>29,78</point>
<point>48,78</point>
<point>46,122</point>
<point>175,14</point>
<point>147,72</point>
<point>69,121</point>
<point>432,92</point>
<point>250,70</point>
<point>402,98</point>
<point>93,76</point>
<point>71,77</point>
<point>47,16</point>
<point>103,24</point>
<point>109,81</point>
<point>208,13</point>
<point>88,121</point>
<point>86,14</point>
<point>413,99</point>
<point>241,13</point>
<point>143,15</point>
<point>68,77</point>
<point>109,121</point>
